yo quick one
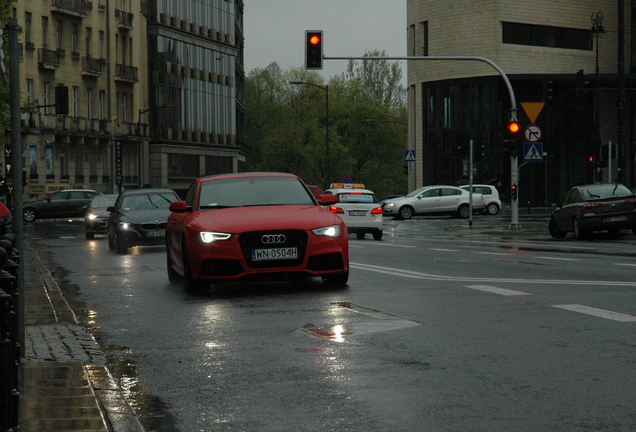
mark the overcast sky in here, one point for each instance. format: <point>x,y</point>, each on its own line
<point>275,30</point>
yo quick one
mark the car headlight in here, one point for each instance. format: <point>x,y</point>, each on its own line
<point>125,226</point>
<point>390,205</point>
<point>211,237</point>
<point>329,231</point>
<point>92,216</point>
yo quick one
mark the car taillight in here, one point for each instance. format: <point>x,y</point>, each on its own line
<point>630,202</point>
<point>337,210</point>
<point>592,206</point>
<point>377,210</point>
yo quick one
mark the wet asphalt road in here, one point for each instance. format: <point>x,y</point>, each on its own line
<point>436,331</point>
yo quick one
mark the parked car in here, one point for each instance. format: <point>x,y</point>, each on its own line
<point>139,218</point>
<point>96,216</point>
<point>434,200</point>
<point>359,209</point>
<point>63,204</point>
<point>594,207</point>
<point>254,226</point>
<point>490,195</point>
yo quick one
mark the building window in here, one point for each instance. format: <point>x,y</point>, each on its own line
<point>102,99</point>
<point>124,107</point>
<point>89,35</point>
<point>29,90</point>
<point>45,29</point>
<point>448,112</point>
<point>75,97</point>
<point>27,27</point>
<point>59,35</point>
<point>546,36</point>
<point>89,105</point>
<point>45,96</point>
<point>424,27</point>
<point>63,166</point>
<point>101,44</point>
<point>74,36</point>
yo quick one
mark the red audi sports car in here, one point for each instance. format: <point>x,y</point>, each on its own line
<point>254,226</point>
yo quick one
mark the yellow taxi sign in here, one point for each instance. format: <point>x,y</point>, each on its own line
<point>346,186</point>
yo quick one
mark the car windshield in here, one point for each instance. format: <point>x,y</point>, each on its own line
<point>356,197</point>
<point>148,201</point>
<point>103,201</point>
<point>253,191</point>
<point>605,191</point>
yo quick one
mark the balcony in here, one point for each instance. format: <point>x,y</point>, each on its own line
<point>125,19</point>
<point>48,59</point>
<point>126,73</point>
<point>75,8</point>
<point>91,67</point>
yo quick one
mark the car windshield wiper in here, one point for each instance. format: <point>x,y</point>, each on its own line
<point>210,206</point>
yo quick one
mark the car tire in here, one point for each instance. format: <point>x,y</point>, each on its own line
<point>554,231</point>
<point>173,276</point>
<point>336,280</point>
<point>192,285</point>
<point>360,235</point>
<point>377,235</point>
<point>492,209</point>
<point>29,215</point>
<point>406,212</point>
<point>578,233</point>
<point>463,211</point>
<point>121,246</point>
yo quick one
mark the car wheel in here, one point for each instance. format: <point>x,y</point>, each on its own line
<point>463,211</point>
<point>121,246</point>
<point>578,233</point>
<point>406,212</point>
<point>29,215</point>
<point>360,235</point>
<point>554,231</point>
<point>192,285</point>
<point>336,280</point>
<point>377,235</point>
<point>173,276</point>
<point>492,209</point>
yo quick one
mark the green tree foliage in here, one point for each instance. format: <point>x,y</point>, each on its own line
<point>286,124</point>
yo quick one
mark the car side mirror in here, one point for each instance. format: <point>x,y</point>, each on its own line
<point>328,199</point>
<point>178,207</point>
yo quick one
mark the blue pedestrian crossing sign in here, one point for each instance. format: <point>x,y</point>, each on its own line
<point>533,152</point>
<point>409,155</point>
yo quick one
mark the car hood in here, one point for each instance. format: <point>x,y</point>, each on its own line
<point>263,218</point>
<point>141,216</point>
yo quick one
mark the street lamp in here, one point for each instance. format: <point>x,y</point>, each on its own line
<point>326,89</point>
<point>597,30</point>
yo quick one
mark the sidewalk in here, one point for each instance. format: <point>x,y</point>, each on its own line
<point>64,383</point>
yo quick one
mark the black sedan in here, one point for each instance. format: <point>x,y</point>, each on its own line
<point>139,218</point>
<point>63,204</point>
<point>594,207</point>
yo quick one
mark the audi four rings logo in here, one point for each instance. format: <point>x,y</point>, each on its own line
<point>273,239</point>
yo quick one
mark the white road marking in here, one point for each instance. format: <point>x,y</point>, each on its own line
<point>557,258</point>
<point>494,253</point>
<point>495,290</point>
<point>601,313</point>
<point>625,264</point>
<point>443,250</point>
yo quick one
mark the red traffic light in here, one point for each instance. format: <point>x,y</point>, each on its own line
<point>314,39</point>
<point>313,50</point>
<point>514,127</point>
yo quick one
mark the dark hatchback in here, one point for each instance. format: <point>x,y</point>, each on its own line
<point>139,218</point>
<point>594,207</point>
<point>63,204</point>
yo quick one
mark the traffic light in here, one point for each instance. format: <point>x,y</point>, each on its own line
<point>514,133</point>
<point>313,49</point>
<point>513,192</point>
<point>61,99</point>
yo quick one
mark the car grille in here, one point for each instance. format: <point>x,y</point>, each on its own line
<point>293,238</point>
<point>150,226</point>
<point>220,267</point>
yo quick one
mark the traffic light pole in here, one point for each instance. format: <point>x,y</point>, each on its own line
<point>514,167</point>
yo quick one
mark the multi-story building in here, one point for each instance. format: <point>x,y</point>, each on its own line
<point>564,54</point>
<point>95,52</point>
<point>196,105</point>
<point>155,92</point>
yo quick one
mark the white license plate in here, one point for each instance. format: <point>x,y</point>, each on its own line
<point>274,254</point>
<point>357,213</point>
<point>156,233</point>
<point>616,219</point>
